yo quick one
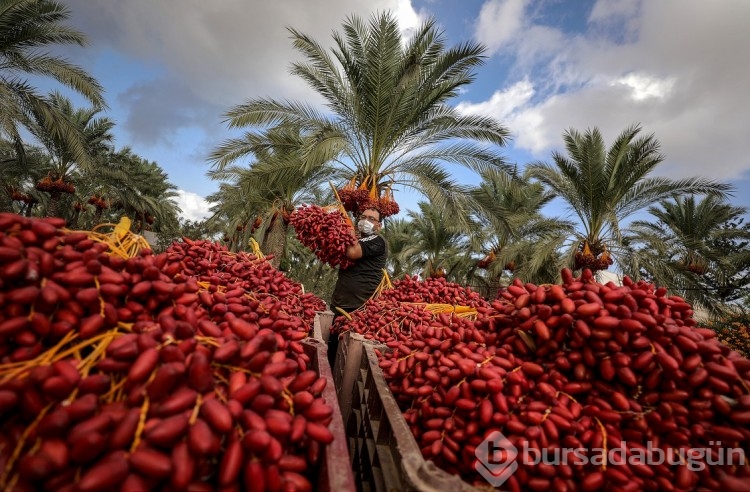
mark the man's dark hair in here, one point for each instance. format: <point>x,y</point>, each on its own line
<point>380,216</point>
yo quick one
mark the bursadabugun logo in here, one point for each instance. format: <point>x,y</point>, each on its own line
<point>496,457</point>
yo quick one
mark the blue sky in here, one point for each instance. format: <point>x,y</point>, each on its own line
<point>680,68</point>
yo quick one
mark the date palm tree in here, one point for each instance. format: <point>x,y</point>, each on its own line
<point>28,29</point>
<point>604,186</point>
<point>437,247</point>
<point>124,184</point>
<point>97,138</point>
<point>521,239</point>
<point>679,248</point>
<point>18,176</point>
<point>399,237</point>
<point>387,117</point>
<point>274,184</point>
<point>143,190</point>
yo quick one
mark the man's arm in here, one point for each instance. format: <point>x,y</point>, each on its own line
<point>354,251</point>
<point>371,246</point>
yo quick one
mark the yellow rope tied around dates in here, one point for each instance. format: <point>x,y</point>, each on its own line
<point>604,442</point>
<point>121,241</point>
<point>196,409</point>
<point>40,359</point>
<point>97,343</point>
<point>526,339</point>
<point>459,311</point>
<point>385,284</point>
<point>255,248</point>
<point>344,313</point>
<point>141,424</point>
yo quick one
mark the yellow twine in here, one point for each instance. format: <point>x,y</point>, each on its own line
<point>141,424</point>
<point>255,248</point>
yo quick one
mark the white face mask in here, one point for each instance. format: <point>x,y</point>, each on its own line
<point>365,227</point>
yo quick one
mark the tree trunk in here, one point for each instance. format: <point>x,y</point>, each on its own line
<point>53,207</point>
<point>76,218</point>
<point>6,202</point>
<point>494,288</point>
<point>274,241</point>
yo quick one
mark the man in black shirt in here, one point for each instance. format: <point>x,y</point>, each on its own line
<point>356,284</point>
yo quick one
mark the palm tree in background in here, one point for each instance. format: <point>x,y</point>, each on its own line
<point>438,248</point>
<point>142,190</point>
<point>124,184</point>
<point>679,248</point>
<point>389,120</point>
<point>520,238</point>
<point>18,176</point>
<point>399,236</point>
<point>65,166</point>
<point>276,183</point>
<point>602,187</point>
<point>232,211</point>
<point>28,29</point>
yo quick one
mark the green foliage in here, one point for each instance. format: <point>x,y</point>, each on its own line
<point>19,173</point>
<point>29,29</point>
<point>399,239</point>
<point>389,118</point>
<point>733,244</point>
<point>198,229</point>
<point>512,226</point>
<point>698,248</point>
<point>603,186</point>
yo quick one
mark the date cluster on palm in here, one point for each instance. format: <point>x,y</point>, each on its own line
<point>593,258</point>
<point>357,198</point>
<point>52,186</point>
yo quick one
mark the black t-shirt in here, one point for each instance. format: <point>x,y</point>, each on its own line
<point>358,282</point>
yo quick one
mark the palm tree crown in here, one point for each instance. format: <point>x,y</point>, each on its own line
<point>512,226</point>
<point>602,187</point>
<point>27,27</point>
<point>388,119</point>
<point>692,247</point>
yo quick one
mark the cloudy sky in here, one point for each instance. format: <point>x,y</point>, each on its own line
<point>680,68</point>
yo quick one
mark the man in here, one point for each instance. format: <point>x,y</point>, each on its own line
<point>356,284</point>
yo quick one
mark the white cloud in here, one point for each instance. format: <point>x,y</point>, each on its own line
<point>503,104</point>
<point>674,67</point>
<point>499,23</point>
<point>209,56</point>
<point>645,87</point>
<point>408,18</point>
<point>193,206</point>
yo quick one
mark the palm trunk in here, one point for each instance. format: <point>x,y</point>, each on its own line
<point>53,207</point>
<point>494,288</point>
<point>6,202</point>
<point>76,218</point>
<point>274,241</point>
